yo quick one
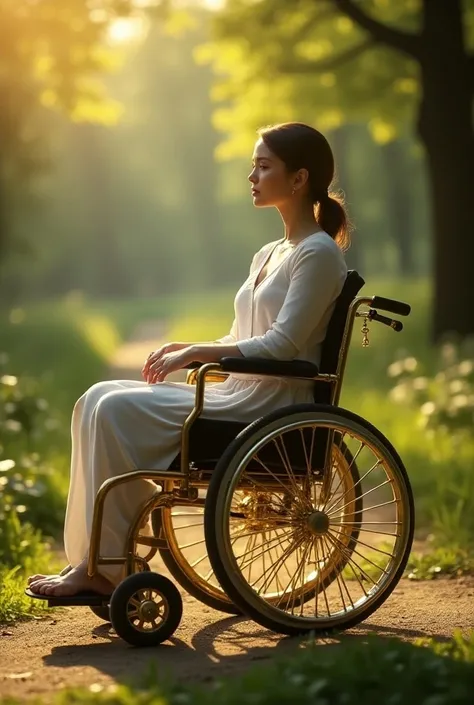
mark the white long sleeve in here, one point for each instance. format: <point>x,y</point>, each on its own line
<point>314,274</point>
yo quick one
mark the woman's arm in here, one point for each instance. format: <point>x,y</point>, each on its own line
<point>317,275</point>
<point>213,352</point>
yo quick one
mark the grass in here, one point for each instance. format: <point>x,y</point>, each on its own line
<point>27,554</point>
<point>438,562</point>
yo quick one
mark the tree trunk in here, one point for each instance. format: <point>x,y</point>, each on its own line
<point>446,130</point>
<point>400,205</point>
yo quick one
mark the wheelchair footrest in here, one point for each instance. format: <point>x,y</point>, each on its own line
<point>82,599</point>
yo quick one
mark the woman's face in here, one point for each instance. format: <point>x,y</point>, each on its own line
<point>271,183</point>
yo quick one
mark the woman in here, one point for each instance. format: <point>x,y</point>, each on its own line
<point>281,312</point>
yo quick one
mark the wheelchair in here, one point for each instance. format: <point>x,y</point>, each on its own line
<point>302,520</point>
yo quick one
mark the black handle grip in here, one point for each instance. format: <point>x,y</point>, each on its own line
<point>396,325</point>
<point>398,307</point>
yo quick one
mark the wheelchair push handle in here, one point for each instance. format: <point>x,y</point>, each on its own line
<point>391,322</point>
<point>391,305</point>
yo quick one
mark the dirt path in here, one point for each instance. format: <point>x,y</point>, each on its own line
<point>73,648</point>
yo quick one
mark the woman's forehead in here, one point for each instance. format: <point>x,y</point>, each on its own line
<point>261,151</point>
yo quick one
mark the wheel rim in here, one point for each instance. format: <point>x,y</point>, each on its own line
<point>147,610</point>
<point>183,527</point>
<point>340,554</point>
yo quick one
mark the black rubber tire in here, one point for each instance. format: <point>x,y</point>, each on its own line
<point>119,605</point>
<point>220,478</point>
<point>101,612</point>
<point>184,580</point>
<point>354,533</point>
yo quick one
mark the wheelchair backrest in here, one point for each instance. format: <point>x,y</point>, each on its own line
<point>333,340</point>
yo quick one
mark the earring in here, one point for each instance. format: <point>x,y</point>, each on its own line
<point>293,191</point>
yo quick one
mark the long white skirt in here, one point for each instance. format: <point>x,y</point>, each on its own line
<point>124,425</point>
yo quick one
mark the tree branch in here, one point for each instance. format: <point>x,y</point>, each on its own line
<point>331,64</point>
<point>381,33</point>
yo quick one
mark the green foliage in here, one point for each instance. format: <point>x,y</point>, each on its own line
<point>14,604</point>
<point>446,397</point>
<point>54,53</point>
<point>276,61</point>
<point>441,393</point>
<point>28,496</point>
<point>28,486</point>
<point>285,65</point>
<point>459,648</point>
<point>20,543</point>
<point>440,562</point>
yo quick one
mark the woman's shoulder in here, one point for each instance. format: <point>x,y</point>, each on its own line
<point>319,245</point>
<point>320,240</point>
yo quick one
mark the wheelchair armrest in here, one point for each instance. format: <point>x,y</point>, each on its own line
<point>262,366</point>
<point>273,368</point>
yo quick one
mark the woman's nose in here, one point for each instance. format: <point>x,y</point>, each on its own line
<point>252,177</point>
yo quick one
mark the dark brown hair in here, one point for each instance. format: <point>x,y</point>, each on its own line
<point>300,146</point>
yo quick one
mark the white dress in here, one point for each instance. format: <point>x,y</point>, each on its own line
<point>123,425</point>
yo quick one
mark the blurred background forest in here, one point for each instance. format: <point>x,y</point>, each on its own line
<point>154,205</point>
<point>126,134</point>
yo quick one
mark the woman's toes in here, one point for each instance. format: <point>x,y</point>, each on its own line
<point>34,578</point>
<point>40,576</point>
<point>37,585</point>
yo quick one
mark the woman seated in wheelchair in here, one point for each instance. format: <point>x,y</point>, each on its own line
<point>281,312</point>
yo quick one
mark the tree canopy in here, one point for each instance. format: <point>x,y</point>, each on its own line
<point>323,61</point>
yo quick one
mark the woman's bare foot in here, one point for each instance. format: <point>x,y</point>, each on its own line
<point>42,576</point>
<point>74,582</point>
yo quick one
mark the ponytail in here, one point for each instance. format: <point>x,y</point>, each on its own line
<point>331,215</point>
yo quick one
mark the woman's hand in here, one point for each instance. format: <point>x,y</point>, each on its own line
<point>164,361</point>
<point>156,354</point>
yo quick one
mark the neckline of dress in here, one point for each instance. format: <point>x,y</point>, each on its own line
<point>267,259</point>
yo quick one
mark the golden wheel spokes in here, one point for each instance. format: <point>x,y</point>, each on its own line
<point>188,528</point>
<point>147,610</point>
<point>312,553</point>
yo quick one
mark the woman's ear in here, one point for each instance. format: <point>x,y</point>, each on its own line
<point>301,178</point>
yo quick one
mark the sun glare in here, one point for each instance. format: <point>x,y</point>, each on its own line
<point>214,4</point>
<point>125,30</point>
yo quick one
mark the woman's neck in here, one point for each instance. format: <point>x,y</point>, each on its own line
<point>299,223</point>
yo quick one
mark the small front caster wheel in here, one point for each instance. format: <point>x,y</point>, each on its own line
<point>145,609</point>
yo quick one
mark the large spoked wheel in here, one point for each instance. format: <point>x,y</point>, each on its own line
<point>310,555</point>
<point>145,609</point>
<point>186,556</point>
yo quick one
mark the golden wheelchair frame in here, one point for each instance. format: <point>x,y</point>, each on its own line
<point>307,516</point>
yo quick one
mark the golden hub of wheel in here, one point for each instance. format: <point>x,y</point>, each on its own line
<point>148,611</point>
<point>318,523</point>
